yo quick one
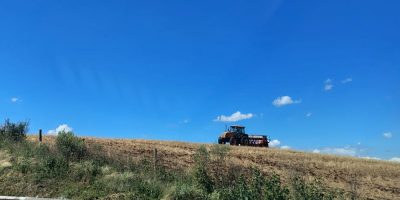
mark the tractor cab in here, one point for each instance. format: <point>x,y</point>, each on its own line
<point>236,129</point>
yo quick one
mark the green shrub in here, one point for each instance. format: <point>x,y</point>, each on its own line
<point>256,184</point>
<point>241,189</point>
<point>24,165</point>
<point>312,190</point>
<point>223,194</point>
<point>218,162</point>
<point>274,190</point>
<point>70,146</point>
<point>130,182</point>
<point>96,153</point>
<point>201,176</point>
<point>52,166</point>
<point>185,191</point>
<point>86,171</point>
<point>13,131</point>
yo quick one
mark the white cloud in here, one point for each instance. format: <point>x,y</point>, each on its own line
<point>14,99</point>
<point>387,135</point>
<point>284,100</point>
<point>395,159</point>
<point>274,143</point>
<point>328,85</point>
<point>370,158</point>
<point>316,151</point>
<point>309,114</point>
<point>237,116</point>
<point>61,128</point>
<point>347,80</point>
<point>345,151</point>
<point>285,147</point>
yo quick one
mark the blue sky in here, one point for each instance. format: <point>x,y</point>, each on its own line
<point>315,75</point>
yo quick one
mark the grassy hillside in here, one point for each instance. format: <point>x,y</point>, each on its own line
<point>370,178</point>
<point>129,169</point>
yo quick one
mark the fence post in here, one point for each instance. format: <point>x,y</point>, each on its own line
<point>40,135</point>
<point>155,161</point>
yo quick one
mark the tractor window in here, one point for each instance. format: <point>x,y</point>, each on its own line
<point>239,130</point>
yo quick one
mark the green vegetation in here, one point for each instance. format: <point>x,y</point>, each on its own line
<point>72,169</point>
<point>71,147</point>
<point>13,131</point>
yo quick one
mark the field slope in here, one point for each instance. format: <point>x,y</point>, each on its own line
<point>371,179</point>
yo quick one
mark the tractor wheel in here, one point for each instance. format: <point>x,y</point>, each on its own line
<point>244,141</point>
<point>232,141</point>
<point>220,141</point>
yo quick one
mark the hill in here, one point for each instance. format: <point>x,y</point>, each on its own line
<point>369,179</point>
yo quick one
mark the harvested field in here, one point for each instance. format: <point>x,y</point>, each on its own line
<point>372,179</point>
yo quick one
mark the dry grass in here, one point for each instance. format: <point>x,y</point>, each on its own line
<point>4,160</point>
<point>371,179</point>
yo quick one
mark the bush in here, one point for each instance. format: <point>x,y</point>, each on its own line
<point>24,165</point>
<point>223,194</point>
<point>218,157</point>
<point>185,191</point>
<point>52,166</point>
<point>70,146</point>
<point>257,184</point>
<point>129,182</point>
<point>86,171</point>
<point>201,176</point>
<point>312,190</point>
<point>241,189</point>
<point>13,131</point>
<point>274,189</point>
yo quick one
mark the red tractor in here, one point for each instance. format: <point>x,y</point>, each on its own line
<point>236,135</point>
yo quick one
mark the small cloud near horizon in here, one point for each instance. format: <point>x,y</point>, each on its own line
<point>395,159</point>
<point>60,128</point>
<point>277,144</point>
<point>237,116</point>
<point>370,158</point>
<point>274,143</point>
<point>284,100</point>
<point>344,151</point>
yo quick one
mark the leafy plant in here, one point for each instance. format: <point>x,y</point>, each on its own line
<point>13,131</point>
<point>201,176</point>
<point>70,146</point>
<point>186,191</point>
<point>274,190</point>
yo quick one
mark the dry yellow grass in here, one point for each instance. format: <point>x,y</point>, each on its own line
<point>374,179</point>
<point>4,160</point>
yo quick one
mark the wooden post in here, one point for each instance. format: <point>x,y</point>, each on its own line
<point>155,161</point>
<point>40,135</point>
